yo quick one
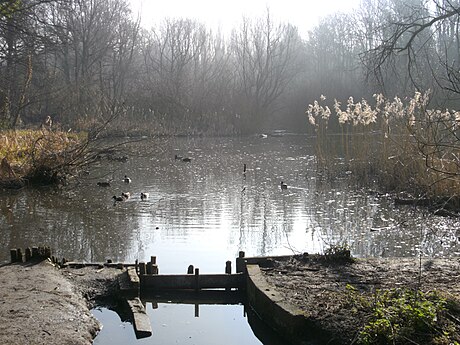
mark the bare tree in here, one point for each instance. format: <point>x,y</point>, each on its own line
<point>418,36</point>
<point>265,61</point>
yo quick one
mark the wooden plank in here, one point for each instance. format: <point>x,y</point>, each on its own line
<point>141,320</point>
<point>184,281</point>
<point>209,297</point>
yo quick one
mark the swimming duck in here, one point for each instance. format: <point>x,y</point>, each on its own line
<point>103,184</point>
<point>186,159</point>
<point>144,196</point>
<point>125,195</point>
<point>283,185</point>
<point>127,179</point>
<point>118,198</point>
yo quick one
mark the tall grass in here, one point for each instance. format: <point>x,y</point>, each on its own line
<point>41,155</point>
<point>400,143</point>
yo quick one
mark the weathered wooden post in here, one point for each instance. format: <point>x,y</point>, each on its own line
<point>28,254</point>
<point>197,279</point>
<point>153,260</point>
<point>197,310</point>
<point>19,251</point>
<point>228,270</point>
<point>155,269</point>
<point>47,252</point>
<point>190,269</point>
<point>142,270</point>
<point>149,267</point>
<point>35,252</point>
<point>14,255</point>
<point>240,262</point>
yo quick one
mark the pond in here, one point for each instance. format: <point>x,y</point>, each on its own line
<point>205,211</point>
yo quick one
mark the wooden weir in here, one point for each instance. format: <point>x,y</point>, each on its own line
<point>150,279</point>
<point>141,282</point>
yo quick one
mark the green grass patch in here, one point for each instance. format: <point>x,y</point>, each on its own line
<point>404,316</point>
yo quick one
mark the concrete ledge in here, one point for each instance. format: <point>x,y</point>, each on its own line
<point>287,320</point>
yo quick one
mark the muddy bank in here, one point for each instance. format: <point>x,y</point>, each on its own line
<point>42,304</point>
<point>319,287</point>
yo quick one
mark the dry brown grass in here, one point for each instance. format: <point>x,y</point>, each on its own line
<point>31,152</point>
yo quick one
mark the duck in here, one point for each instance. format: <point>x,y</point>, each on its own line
<point>176,157</point>
<point>186,159</point>
<point>283,185</point>
<point>127,179</point>
<point>103,184</point>
<point>144,196</point>
<point>125,195</point>
<point>118,198</point>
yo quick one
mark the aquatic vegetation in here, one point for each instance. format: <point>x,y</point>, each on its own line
<point>400,143</point>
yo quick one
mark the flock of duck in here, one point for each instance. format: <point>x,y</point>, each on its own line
<point>144,196</point>
<point>124,195</point>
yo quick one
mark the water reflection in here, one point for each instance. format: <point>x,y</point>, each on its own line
<point>205,211</point>
<point>179,324</point>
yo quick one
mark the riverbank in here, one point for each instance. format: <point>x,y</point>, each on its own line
<point>44,304</point>
<point>343,297</point>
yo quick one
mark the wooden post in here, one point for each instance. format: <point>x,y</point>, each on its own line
<point>120,265</point>
<point>197,310</point>
<point>19,251</point>
<point>28,254</point>
<point>190,269</point>
<point>197,279</point>
<point>153,260</point>
<point>155,269</point>
<point>228,270</point>
<point>142,270</point>
<point>14,255</point>
<point>34,252</point>
<point>240,262</point>
<point>149,267</point>
<point>109,261</point>
<point>136,266</point>
<point>47,252</point>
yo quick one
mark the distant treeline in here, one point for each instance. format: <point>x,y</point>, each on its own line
<point>89,62</point>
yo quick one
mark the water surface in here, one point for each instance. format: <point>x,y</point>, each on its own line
<point>205,211</point>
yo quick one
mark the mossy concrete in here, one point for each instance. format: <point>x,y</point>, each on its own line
<point>272,308</point>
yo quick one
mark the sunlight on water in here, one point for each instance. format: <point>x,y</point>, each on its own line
<point>204,212</point>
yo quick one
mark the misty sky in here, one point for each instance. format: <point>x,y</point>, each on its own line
<point>226,14</point>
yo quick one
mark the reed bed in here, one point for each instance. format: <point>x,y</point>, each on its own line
<point>401,144</point>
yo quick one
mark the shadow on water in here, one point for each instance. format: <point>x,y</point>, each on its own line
<point>211,317</point>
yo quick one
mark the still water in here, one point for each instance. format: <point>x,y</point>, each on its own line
<point>205,211</point>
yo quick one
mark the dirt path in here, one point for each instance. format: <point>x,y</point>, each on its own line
<point>41,304</point>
